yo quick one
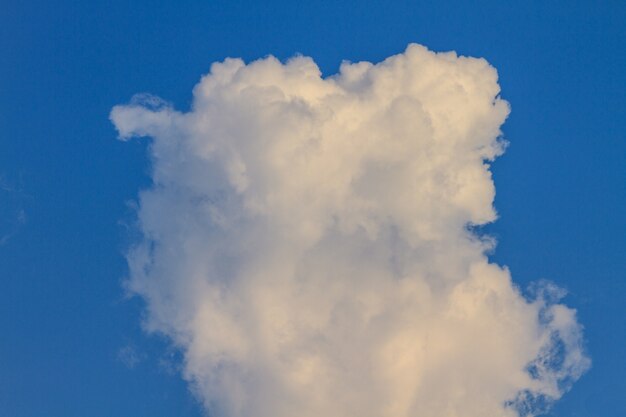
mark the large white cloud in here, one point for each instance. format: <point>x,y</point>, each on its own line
<point>306,244</point>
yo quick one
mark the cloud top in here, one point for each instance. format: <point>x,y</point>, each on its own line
<point>306,244</point>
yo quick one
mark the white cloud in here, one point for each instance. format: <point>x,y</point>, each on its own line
<point>306,244</point>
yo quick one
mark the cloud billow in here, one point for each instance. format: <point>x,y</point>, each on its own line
<point>306,244</point>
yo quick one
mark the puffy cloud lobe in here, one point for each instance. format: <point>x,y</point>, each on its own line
<point>306,244</point>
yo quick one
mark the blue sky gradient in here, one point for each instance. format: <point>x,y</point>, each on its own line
<point>71,343</point>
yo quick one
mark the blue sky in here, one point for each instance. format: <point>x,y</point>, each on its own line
<point>68,333</point>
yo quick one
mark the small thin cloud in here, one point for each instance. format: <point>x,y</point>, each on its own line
<point>12,212</point>
<point>130,356</point>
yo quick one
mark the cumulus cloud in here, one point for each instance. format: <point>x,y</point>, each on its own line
<point>308,246</point>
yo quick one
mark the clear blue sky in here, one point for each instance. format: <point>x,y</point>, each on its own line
<point>68,336</point>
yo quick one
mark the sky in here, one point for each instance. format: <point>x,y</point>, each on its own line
<point>74,342</point>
